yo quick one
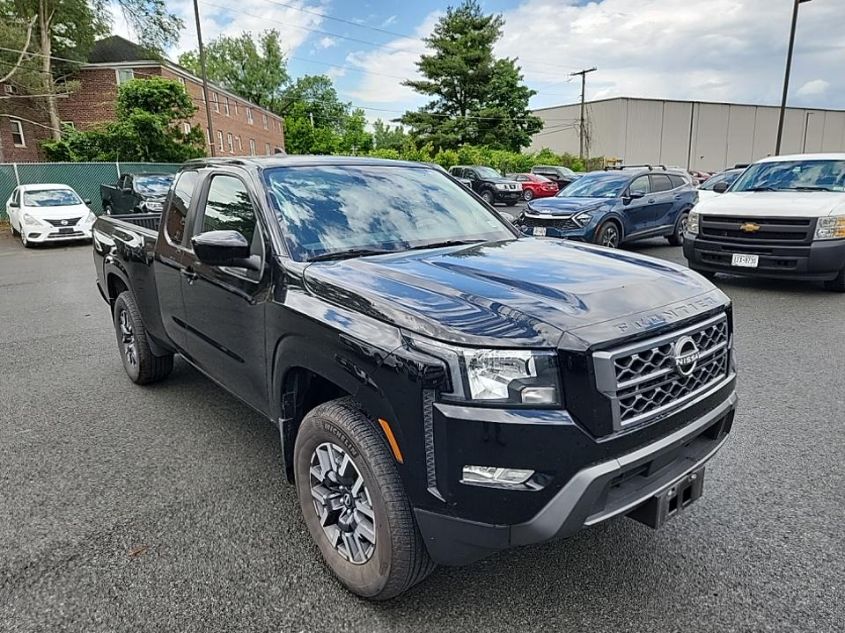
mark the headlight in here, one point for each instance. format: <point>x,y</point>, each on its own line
<point>494,476</point>
<point>583,218</point>
<point>28,219</point>
<point>831,227</point>
<point>692,223</point>
<point>501,186</point>
<point>152,205</point>
<point>495,376</point>
<point>90,218</point>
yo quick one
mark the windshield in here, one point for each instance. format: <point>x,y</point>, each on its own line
<point>153,185</point>
<point>50,198</point>
<point>726,176</point>
<point>330,209</point>
<point>596,185</point>
<point>487,172</point>
<point>793,175</point>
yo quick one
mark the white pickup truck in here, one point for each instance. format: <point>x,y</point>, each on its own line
<point>784,218</point>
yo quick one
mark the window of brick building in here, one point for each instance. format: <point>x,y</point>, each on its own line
<point>124,75</point>
<point>215,103</point>
<point>230,142</point>
<point>240,145</point>
<point>264,120</point>
<point>208,137</point>
<point>226,106</point>
<point>186,128</point>
<point>237,109</point>
<point>267,148</point>
<point>220,140</point>
<point>252,147</point>
<point>17,133</point>
<point>249,115</point>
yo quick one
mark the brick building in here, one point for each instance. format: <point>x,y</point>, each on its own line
<point>240,127</point>
<point>23,125</point>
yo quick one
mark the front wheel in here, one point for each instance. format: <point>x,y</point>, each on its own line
<point>488,196</point>
<point>527,195</point>
<point>677,237</point>
<point>26,243</point>
<point>15,232</point>
<point>354,504</point>
<point>608,235</point>
<point>141,365</point>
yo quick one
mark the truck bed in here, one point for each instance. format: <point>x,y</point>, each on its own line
<point>148,221</point>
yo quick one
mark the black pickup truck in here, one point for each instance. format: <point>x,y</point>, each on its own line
<point>135,193</point>
<point>444,387</point>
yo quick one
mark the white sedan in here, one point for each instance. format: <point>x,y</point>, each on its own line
<point>48,213</point>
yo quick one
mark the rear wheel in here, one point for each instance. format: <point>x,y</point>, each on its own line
<point>141,365</point>
<point>527,195</point>
<point>677,237</point>
<point>354,504</point>
<point>609,235</point>
<point>837,284</point>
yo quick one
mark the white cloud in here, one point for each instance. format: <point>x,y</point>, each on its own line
<point>813,88</point>
<point>724,50</point>
<point>326,42</point>
<point>220,17</point>
<point>388,21</point>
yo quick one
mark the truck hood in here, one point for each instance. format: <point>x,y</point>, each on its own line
<point>522,292</point>
<point>778,204</point>
<point>564,206</point>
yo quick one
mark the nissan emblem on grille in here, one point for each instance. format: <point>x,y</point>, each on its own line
<point>64,222</point>
<point>686,355</point>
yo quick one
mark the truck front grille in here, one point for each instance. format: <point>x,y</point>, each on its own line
<point>563,224</point>
<point>756,230</point>
<point>646,378</point>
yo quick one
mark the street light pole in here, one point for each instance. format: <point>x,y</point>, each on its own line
<point>786,74</point>
<point>204,79</point>
<point>583,74</point>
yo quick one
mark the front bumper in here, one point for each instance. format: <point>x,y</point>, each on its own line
<point>507,197</point>
<point>819,260</point>
<point>42,234</point>
<point>617,483</point>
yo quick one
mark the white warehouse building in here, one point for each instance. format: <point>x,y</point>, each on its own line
<point>697,135</point>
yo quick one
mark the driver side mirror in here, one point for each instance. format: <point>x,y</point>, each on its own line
<point>720,187</point>
<point>634,195</point>
<point>14,204</point>
<point>224,248</point>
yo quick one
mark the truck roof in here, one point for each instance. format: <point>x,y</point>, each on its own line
<point>279,160</point>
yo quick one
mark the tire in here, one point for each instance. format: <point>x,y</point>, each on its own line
<point>141,365</point>
<point>15,232</point>
<point>837,284</point>
<point>398,559</point>
<point>488,196</point>
<point>609,234</point>
<point>677,237</point>
<point>527,195</point>
<point>107,208</point>
<point>707,274</point>
<point>26,243</point>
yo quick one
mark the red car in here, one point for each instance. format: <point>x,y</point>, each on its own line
<point>534,186</point>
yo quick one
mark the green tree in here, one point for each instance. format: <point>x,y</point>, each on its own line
<point>68,29</point>
<point>253,69</point>
<point>477,99</point>
<point>387,137</point>
<point>151,114</point>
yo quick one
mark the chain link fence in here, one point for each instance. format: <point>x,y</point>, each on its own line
<point>85,178</point>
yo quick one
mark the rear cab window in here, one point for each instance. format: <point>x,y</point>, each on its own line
<point>177,209</point>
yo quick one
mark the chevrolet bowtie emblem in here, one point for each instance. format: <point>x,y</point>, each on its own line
<point>749,227</point>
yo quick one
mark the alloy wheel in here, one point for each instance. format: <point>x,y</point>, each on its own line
<point>127,337</point>
<point>342,503</point>
<point>610,236</point>
<point>527,194</point>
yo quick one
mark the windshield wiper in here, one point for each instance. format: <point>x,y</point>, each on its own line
<point>809,188</point>
<point>352,252</point>
<point>443,243</point>
<point>762,188</point>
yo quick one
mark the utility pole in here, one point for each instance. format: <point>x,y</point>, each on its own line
<point>204,79</point>
<point>786,74</point>
<point>581,128</point>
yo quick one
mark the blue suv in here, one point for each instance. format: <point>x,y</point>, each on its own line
<point>615,206</point>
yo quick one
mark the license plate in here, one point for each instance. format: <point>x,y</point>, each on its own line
<point>539,231</point>
<point>66,230</point>
<point>745,261</point>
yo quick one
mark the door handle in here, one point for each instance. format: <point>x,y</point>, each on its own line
<point>651,200</point>
<point>678,197</point>
<point>189,274</point>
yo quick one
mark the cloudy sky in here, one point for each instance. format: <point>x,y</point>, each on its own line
<point>718,50</point>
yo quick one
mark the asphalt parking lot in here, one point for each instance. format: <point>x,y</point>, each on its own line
<point>165,509</point>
